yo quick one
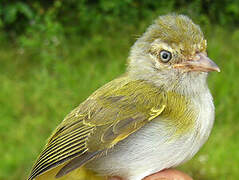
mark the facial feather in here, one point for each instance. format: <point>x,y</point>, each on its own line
<point>178,35</point>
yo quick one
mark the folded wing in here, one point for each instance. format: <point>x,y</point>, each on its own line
<point>108,116</point>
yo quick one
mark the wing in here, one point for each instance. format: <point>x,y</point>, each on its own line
<point>108,116</point>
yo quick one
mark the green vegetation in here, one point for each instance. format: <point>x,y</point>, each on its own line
<point>54,55</point>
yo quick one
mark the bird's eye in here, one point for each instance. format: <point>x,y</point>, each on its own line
<point>165,56</point>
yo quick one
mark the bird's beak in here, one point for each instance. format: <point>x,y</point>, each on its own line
<point>200,63</point>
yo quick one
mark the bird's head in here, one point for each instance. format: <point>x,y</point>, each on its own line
<point>172,52</point>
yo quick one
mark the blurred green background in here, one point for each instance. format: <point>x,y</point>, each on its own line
<point>54,54</point>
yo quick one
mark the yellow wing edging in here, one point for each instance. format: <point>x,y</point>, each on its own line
<point>156,112</point>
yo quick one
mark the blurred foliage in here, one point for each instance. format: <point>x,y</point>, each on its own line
<point>84,16</point>
<point>39,86</point>
<point>54,54</point>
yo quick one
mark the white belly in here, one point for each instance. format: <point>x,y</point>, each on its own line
<point>152,148</point>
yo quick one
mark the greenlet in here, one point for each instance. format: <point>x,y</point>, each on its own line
<point>155,116</point>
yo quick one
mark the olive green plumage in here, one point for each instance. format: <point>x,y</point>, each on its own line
<point>109,115</point>
<point>165,83</point>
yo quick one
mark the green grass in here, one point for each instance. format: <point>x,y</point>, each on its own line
<point>40,86</point>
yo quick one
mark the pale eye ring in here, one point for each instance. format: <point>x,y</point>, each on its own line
<point>165,56</point>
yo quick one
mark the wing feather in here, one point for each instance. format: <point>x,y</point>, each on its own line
<point>108,116</point>
<point>62,148</point>
<point>76,162</point>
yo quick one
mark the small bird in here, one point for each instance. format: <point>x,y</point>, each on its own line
<point>155,116</point>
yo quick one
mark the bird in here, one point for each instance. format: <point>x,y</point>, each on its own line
<point>155,116</point>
